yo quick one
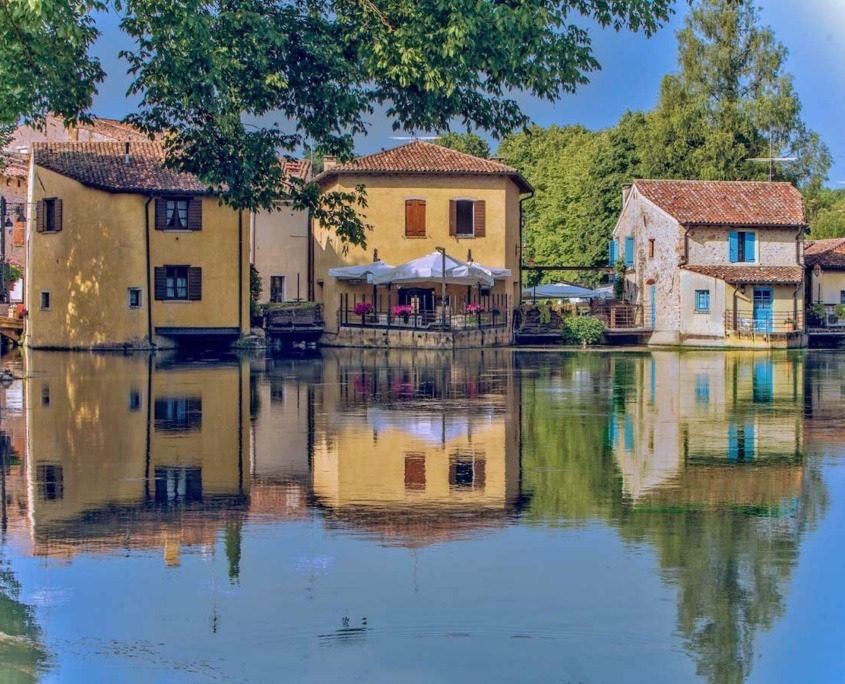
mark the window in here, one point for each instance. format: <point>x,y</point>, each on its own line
<point>177,214</point>
<point>178,414</point>
<point>177,282</point>
<point>702,301</point>
<point>463,214</point>
<point>48,215</point>
<point>467,218</point>
<point>415,471</point>
<point>467,471</point>
<point>174,485</point>
<point>414,218</point>
<point>135,298</point>
<point>50,481</point>
<point>651,248</point>
<point>742,246</point>
<point>702,389</point>
<point>277,288</point>
<point>45,395</point>
<point>45,300</point>
<point>134,399</point>
<point>842,296</point>
<point>741,442</point>
<point>629,250</point>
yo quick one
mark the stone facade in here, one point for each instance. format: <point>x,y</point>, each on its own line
<point>382,338</point>
<point>659,282</point>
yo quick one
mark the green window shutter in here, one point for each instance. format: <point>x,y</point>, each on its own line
<point>161,214</point>
<point>195,213</point>
<point>194,283</point>
<point>160,283</point>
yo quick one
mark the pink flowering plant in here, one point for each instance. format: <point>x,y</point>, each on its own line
<point>403,310</point>
<point>363,309</point>
<point>474,309</point>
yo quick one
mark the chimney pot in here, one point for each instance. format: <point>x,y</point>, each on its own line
<point>329,163</point>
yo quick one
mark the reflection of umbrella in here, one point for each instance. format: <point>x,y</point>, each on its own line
<point>431,428</point>
<point>364,271</point>
<point>430,267</point>
<point>559,291</point>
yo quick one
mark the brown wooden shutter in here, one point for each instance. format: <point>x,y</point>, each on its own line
<point>19,234</point>
<point>160,283</point>
<point>414,218</point>
<point>195,213</point>
<point>58,215</point>
<point>195,283</point>
<point>453,217</point>
<point>479,211</point>
<point>161,214</point>
<point>40,216</point>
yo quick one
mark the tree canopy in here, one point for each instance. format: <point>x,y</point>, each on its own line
<point>470,143</point>
<point>205,69</point>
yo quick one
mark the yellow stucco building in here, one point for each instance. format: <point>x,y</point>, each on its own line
<point>122,252</point>
<point>421,197</point>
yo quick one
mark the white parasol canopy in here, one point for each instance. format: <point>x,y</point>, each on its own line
<point>558,291</point>
<point>362,272</point>
<point>430,268</point>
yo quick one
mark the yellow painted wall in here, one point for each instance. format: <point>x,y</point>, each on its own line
<point>100,253</point>
<point>386,197</point>
<point>827,286</point>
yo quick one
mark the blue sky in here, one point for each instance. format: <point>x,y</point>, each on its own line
<point>632,67</point>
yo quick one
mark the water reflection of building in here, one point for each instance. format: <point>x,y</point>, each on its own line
<point>709,427</point>
<point>415,448</point>
<point>133,451</point>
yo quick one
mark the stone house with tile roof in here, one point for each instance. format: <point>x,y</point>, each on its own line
<point>825,262</point>
<point>125,253</point>
<point>420,197</point>
<point>714,263</point>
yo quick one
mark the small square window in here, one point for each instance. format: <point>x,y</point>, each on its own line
<point>135,300</point>
<point>45,301</point>
<point>702,301</point>
<point>134,399</point>
<point>842,296</point>
<point>651,248</point>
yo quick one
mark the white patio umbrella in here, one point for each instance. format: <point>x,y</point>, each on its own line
<point>559,291</point>
<point>430,268</point>
<point>362,272</point>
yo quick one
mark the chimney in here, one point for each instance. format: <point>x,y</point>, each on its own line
<point>626,190</point>
<point>329,163</point>
<point>126,157</point>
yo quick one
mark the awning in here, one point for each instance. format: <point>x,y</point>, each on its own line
<point>430,268</point>
<point>361,272</point>
<point>558,291</point>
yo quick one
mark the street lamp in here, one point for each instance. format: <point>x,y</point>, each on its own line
<point>442,251</point>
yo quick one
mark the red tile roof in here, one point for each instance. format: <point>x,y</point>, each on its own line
<point>103,165</point>
<point>748,275</point>
<point>828,254</point>
<point>301,168</point>
<point>423,158</point>
<point>726,203</point>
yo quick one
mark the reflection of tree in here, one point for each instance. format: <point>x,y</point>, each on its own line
<point>22,655</point>
<point>730,560</point>
<point>567,464</point>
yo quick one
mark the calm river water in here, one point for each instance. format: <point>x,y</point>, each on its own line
<point>496,517</point>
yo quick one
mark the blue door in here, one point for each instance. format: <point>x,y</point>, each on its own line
<point>763,309</point>
<point>652,297</point>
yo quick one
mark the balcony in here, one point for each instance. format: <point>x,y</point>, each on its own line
<point>763,325</point>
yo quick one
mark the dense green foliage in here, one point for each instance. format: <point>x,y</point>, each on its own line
<point>583,330</point>
<point>470,143</point>
<point>730,102</point>
<point>825,213</point>
<point>214,74</point>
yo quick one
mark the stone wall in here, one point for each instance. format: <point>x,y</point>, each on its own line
<point>775,246</point>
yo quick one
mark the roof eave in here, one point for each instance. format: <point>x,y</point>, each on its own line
<point>515,176</point>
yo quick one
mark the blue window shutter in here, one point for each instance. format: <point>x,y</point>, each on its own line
<point>733,246</point>
<point>749,246</point>
<point>611,253</point>
<point>629,250</point>
<point>750,441</point>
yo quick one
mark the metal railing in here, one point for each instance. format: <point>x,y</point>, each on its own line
<point>618,316</point>
<point>746,323</point>
<point>424,320</point>
<point>830,320</point>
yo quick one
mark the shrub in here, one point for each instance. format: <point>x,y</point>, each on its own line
<point>817,313</point>
<point>582,330</point>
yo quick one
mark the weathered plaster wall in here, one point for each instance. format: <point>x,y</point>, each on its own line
<point>775,246</point>
<point>280,248</point>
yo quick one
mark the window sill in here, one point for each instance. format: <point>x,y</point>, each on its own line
<point>177,230</point>
<point>702,311</point>
<point>416,237</point>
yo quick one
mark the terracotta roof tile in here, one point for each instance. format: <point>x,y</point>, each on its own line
<point>826,253</point>
<point>742,275</point>
<point>422,158</point>
<point>103,165</point>
<point>726,203</point>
